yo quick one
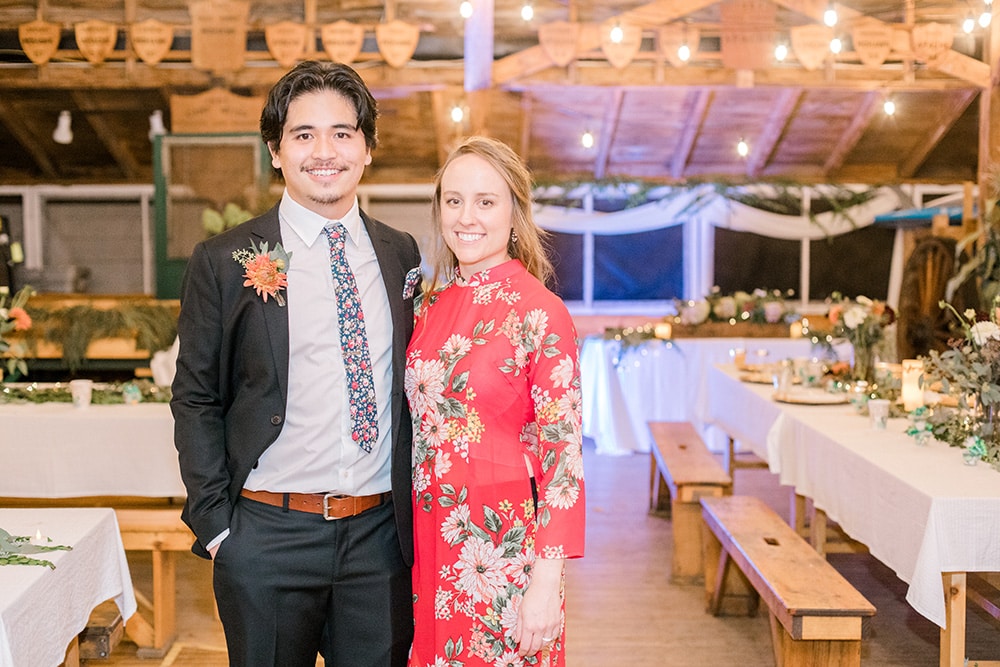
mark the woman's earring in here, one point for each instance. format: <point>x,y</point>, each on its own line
<point>513,236</point>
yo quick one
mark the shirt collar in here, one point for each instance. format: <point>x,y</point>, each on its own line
<point>308,225</point>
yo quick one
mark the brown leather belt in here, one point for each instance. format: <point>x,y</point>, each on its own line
<point>330,505</point>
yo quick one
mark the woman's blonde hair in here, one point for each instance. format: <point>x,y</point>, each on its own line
<point>527,242</point>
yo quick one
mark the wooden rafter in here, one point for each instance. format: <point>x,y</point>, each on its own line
<point>609,126</point>
<point>764,144</point>
<point>117,147</point>
<point>946,118</point>
<point>16,125</point>
<point>849,139</point>
<point>692,128</point>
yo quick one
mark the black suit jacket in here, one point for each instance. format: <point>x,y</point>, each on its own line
<point>231,385</point>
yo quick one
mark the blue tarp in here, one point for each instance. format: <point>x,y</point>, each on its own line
<point>918,217</point>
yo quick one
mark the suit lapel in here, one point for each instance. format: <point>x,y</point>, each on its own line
<point>267,230</point>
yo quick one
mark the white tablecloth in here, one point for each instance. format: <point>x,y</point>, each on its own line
<point>42,610</point>
<point>53,450</point>
<point>662,381</point>
<point>919,510</point>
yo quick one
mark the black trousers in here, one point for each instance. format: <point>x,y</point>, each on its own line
<point>290,585</point>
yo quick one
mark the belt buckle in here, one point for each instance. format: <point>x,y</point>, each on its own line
<point>326,506</point>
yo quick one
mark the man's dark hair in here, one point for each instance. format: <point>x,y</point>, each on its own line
<point>311,76</point>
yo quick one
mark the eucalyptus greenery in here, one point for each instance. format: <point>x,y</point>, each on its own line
<point>153,327</point>
<point>15,550</point>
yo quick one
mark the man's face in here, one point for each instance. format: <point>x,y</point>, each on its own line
<point>322,154</point>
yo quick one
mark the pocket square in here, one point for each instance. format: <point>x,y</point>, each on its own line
<point>413,278</point>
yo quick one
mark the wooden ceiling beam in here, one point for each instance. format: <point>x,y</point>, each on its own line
<point>849,139</point>
<point>535,59</point>
<point>774,128</point>
<point>609,126</point>
<point>691,131</point>
<point>946,119</point>
<point>116,146</point>
<point>14,121</point>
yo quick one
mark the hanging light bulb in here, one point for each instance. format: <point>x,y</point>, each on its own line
<point>969,24</point>
<point>684,52</point>
<point>985,18</point>
<point>527,11</point>
<point>830,17</point>
<point>63,133</point>
<point>156,127</point>
<point>836,46</point>
<point>889,107</point>
<point>742,147</point>
<point>457,114</point>
<point>617,34</point>
<point>465,9</point>
<point>781,52</point>
<point>587,139</point>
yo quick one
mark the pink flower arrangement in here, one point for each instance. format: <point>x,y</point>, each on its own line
<point>14,317</point>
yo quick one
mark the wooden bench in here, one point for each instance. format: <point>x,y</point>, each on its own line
<point>816,615</point>
<point>682,468</point>
<point>161,532</point>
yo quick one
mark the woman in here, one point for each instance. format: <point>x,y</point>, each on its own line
<point>494,387</point>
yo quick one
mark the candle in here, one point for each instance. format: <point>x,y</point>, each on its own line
<point>913,393</point>
<point>663,330</point>
<point>37,539</point>
<point>795,329</point>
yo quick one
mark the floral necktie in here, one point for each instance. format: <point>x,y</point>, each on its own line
<point>353,342</point>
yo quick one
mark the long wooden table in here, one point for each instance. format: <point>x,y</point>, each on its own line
<point>119,456</point>
<point>43,610</point>
<point>919,509</point>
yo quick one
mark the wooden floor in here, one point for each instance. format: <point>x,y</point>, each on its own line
<point>622,609</point>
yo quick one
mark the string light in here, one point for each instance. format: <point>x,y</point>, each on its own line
<point>889,107</point>
<point>985,18</point>
<point>969,24</point>
<point>587,139</point>
<point>830,17</point>
<point>684,52</point>
<point>465,9</point>
<point>781,52</point>
<point>836,46</point>
<point>527,11</point>
<point>617,34</point>
<point>742,147</point>
<point>457,114</point>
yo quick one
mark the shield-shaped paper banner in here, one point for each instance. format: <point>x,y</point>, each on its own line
<point>219,34</point>
<point>671,37</point>
<point>559,41</point>
<point>620,54</point>
<point>397,40</point>
<point>151,40</point>
<point>286,41</point>
<point>96,39</point>
<point>930,40</point>
<point>342,41</point>
<point>39,40</point>
<point>811,44</point>
<point>872,41</point>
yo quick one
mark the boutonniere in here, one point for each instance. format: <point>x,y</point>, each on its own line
<point>266,271</point>
<point>413,278</point>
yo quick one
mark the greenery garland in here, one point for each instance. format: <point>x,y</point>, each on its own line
<point>153,327</point>
<point>102,393</point>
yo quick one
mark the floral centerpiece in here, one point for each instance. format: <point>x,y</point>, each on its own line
<point>862,321</point>
<point>13,317</point>
<point>969,372</point>
<point>758,307</point>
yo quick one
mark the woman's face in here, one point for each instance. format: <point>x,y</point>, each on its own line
<point>476,213</point>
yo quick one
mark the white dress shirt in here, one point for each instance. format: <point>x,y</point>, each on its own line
<point>314,452</point>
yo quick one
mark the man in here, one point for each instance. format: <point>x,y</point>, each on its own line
<point>299,485</point>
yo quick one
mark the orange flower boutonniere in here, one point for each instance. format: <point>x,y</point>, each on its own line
<point>266,271</point>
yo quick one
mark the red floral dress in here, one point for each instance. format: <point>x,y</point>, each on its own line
<point>493,381</point>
